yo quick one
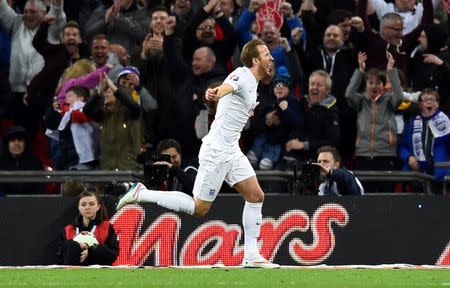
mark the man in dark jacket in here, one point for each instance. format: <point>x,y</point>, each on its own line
<point>336,180</point>
<point>17,156</point>
<point>192,81</point>
<point>180,176</point>
<point>322,125</point>
<point>430,63</point>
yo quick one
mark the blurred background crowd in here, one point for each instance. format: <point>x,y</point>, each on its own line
<point>98,84</point>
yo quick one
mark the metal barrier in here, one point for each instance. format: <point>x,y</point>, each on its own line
<point>104,176</point>
<point>446,178</point>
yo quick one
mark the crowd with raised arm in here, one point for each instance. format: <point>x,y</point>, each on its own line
<point>99,84</point>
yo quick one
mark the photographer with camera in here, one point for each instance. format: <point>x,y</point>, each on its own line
<point>336,180</point>
<point>167,171</point>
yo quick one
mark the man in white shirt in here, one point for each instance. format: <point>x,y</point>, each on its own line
<point>410,11</point>
<point>26,62</point>
<point>220,157</point>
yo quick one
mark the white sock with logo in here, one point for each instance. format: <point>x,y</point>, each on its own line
<point>251,220</point>
<point>173,200</point>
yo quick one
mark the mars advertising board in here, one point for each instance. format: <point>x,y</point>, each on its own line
<point>296,230</point>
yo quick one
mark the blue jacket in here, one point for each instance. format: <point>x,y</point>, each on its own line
<point>441,151</point>
<point>243,29</point>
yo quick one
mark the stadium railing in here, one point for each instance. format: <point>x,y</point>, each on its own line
<point>287,177</point>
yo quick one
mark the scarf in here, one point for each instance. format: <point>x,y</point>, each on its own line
<point>439,125</point>
<point>68,115</point>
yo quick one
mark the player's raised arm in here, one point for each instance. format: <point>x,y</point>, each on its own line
<point>214,94</point>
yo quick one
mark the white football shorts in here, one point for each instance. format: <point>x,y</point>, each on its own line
<point>216,166</point>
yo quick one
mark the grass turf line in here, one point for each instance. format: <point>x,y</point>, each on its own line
<point>198,278</point>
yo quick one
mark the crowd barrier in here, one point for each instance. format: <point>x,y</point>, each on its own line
<point>288,178</point>
<point>296,230</point>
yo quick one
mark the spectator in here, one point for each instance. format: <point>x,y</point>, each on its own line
<point>323,8</point>
<point>280,118</point>
<point>155,71</point>
<point>119,58</point>
<point>80,11</point>
<point>430,63</point>
<point>73,188</point>
<point>427,137</point>
<point>41,90</point>
<point>81,73</point>
<point>191,81</point>
<point>349,25</point>
<point>6,102</point>
<point>339,61</point>
<point>180,176</point>
<point>206,116</point>
<point>78,133</point>
<point>322,126</point>
<point>270,34</point>
<point>91,238</point>
<point>26,62</point>
<point>391,37</point>
<point>120,120</point>
<point>121,53</point>
<point>376,144</point>
<point>336,179</point>
<point>129,78</point>
<point>17,157</point>
<point>122,22</point>
<point>231,10</point>
<point>410,10</point>
<point>182,9</point>
<point>202,30</point>
<point>100,50</point>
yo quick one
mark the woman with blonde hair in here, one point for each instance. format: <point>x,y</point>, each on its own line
<point>81,73</point>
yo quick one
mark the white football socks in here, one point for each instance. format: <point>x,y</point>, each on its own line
<point>173,200</point>
<point>252,221</point>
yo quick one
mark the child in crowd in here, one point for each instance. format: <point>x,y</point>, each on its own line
<point>91,238</point>
<point>427,137</point>
<point>280,118</point>
<point>75,129</point>
<point>376,142</point>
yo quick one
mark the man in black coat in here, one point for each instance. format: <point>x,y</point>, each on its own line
<point>322,124</point>
<point>336,179</point>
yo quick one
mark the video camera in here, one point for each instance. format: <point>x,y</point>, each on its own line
<point>117,188</point>
<point>156,174</point>
<point>309,177</point>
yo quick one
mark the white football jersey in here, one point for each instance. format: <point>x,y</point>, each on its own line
<point>233,111</point>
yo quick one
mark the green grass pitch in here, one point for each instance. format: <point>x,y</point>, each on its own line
<point>198,278</point>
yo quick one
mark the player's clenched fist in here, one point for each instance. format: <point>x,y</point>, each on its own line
<point>211,94</point>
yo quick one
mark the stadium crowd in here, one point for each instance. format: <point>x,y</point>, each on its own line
<point>97,84</point>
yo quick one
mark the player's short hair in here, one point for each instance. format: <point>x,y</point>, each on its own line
<point>250,51</point>
<point>332,150</point>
